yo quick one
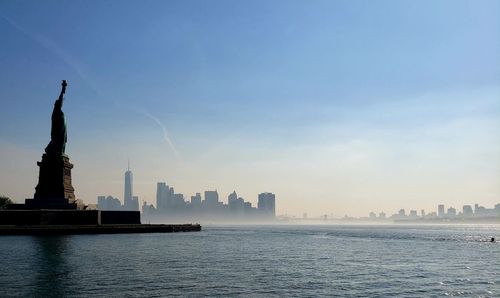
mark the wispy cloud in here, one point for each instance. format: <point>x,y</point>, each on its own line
<point>166,135</point>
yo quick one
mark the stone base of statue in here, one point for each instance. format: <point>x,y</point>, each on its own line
<point>54,189</point>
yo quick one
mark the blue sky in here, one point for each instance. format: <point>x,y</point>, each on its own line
<point>313,100</point>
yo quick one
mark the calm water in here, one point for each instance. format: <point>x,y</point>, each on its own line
<point>374,261</point>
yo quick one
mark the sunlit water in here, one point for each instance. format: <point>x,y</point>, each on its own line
<point>374,261</point>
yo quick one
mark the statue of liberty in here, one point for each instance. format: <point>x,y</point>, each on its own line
<point>58,135</point>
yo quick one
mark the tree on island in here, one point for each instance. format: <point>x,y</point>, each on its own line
<point>4,201</point>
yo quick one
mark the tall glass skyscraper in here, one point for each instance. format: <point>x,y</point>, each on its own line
<point>128,187</point>
<point>129,201</point>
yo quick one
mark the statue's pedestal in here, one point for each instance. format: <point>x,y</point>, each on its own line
<point>54,189</point>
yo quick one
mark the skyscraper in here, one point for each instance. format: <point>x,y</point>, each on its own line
<point>236,204</point>
<point>196,201</point>
<point>161,190</point>
<point>441,210</point>
<point>467,210</point>
<point>232,198</point>
<point>211,199</point>
<point>267,204</point>
<point>129,201</point>
<point>128,186</point>
<point>101,202</point>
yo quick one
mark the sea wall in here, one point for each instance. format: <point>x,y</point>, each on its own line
<point>68,217</point>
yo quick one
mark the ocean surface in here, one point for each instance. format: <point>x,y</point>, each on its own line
<point>320,260</point>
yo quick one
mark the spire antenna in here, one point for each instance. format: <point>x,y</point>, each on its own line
<point>128,164</point>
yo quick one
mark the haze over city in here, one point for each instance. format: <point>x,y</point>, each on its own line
<point>336,107</point>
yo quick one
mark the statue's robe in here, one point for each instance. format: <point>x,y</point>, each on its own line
<point>58,137</point>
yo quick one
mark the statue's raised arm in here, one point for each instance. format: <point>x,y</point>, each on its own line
<point>63,90</point>
<point>58,135</point>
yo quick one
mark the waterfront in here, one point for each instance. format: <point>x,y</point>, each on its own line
<point>386,260</point>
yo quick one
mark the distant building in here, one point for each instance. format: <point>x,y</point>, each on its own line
<point>178,200</point>
<point>480,211</point>
<point>267,204</point>
<point>232,201</point>
<point>130,202</point>
<point>372,215</point>
<point>101,202</point>
<point>422,213</point>
<point>431,215</point>
<point>127,197</point>
<point>135,203</point>
<point>402,213</point>
<point>211,201</point>
<point>108,203</point>
<point>163,196</point>
<point>247,208</point>
<point>237,206</point>
<point>147,209</point>
<point>413,214</point>
<point>196,200</point>
<point>441,210</point>
<point>382,215</point>
<point>452,212</point>
<point>467,210</point>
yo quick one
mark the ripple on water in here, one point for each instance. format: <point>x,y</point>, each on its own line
<point>378,261</point>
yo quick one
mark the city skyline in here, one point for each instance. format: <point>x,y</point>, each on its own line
<point>172,205</point>
<point>441,212</point>
<point>333,106</point>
